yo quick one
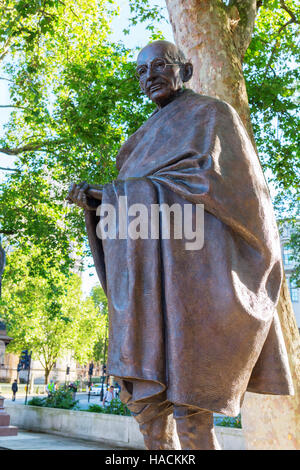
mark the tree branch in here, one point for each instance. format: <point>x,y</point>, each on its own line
<point>242,14</point>
<point>12,106</point>
<point>9,169</point>
<point>8,79</point>
<point>5,48</point>
<point>62,3</point>
<point>31,147</point>
<point>282,27</point>
<point>289,11</point>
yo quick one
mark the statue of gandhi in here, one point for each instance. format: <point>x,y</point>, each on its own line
<point>190,331</point>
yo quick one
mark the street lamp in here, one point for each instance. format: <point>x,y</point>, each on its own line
<point>91,368</point>
<point>104,365</point>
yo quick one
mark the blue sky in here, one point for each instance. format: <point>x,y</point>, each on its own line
<point>139,36</point>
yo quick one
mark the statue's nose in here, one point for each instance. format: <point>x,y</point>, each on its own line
<point>150,72</point>
<point>149,78</point>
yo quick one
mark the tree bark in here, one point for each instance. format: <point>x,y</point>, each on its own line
<point>47,373</point>
<point>31,147</point>
<point>215,38</point>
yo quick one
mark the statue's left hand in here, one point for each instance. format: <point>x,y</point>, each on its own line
<point>78,194</point>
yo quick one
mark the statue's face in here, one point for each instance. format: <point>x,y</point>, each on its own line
<point>158,79</point>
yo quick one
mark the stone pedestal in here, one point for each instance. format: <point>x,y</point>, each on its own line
<point>5,428</point>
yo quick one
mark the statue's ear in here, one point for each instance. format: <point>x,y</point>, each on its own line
<point>187,71</point>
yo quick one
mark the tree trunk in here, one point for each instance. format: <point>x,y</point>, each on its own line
<point>47,373</point>
<point>215,37</point>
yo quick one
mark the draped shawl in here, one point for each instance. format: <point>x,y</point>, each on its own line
<point>194,327</point>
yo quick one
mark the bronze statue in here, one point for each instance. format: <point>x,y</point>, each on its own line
<point>190,331</point>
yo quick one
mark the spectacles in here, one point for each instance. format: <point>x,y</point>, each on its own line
<point>156,65</point>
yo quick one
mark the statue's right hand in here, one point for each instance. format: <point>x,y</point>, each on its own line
<point>78,195</point>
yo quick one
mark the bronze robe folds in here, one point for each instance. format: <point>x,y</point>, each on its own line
<point>195,327</point>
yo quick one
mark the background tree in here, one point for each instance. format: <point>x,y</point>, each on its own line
<point>45,312</point>
<point>74,100</point>
<point>295,244</point>
<point>2,263</point>
<point>101,346</point>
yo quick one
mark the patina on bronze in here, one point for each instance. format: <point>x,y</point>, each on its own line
<point>190,331</point>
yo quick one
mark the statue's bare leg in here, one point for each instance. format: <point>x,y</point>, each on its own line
<point>160,433</point>
<point>157,425</point>
<point>195,429</point>
<point>155,420</point>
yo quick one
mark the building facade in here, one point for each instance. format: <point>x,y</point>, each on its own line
<point>4,341</point>
<point>65,370</point>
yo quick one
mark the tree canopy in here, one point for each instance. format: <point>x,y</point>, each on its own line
<point>272,77</point>
<point>74,99</point>
<point>101,346</point>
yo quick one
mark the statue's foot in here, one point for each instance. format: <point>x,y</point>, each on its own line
<point>196,431</point>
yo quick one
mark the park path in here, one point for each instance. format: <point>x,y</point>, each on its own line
<point>26,440</point>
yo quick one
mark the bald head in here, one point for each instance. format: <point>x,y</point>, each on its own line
<point>162,70</point>
<point>166,48</point>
